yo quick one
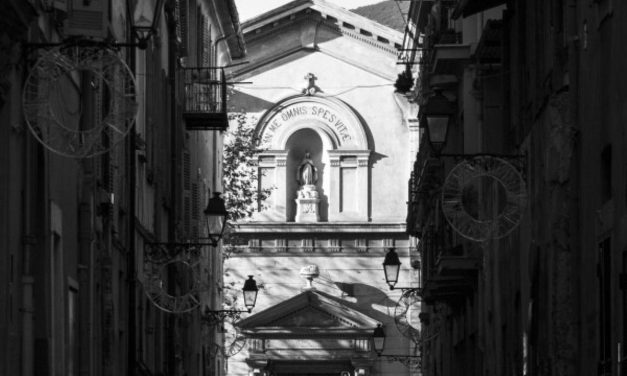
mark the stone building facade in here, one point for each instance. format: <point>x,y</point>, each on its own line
<point>337,141</point>
<point>537,84</point>
<point>75,227</point>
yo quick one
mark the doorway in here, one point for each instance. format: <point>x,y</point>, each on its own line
<point>310,368</point>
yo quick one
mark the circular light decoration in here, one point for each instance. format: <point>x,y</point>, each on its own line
<point>234,341</point>
<point>483,198</point>
<point>186,269</point>
<point>402,312</point>
<point>79,101</point>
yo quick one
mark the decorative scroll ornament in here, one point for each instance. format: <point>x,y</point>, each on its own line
<point>402,311</point>
<point>80,101</point>
<point>413,362</point>
<point>183,263</point>
<point>483,198</point>
<point>234,341</point>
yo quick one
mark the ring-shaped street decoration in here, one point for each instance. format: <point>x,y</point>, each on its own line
<point>184,265</point>
<point>401,313</point>
<point>483,198</point>
<point>80,101</point>
<point>234,341</point>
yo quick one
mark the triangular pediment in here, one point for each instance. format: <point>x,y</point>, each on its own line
<point>314,27</point>
<point>309,316</point>
<point>307,312</point>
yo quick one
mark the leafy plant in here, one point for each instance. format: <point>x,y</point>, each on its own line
<point>404,82</point>
<point>242,195</point>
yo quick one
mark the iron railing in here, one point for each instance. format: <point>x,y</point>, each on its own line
<point>205,98</point>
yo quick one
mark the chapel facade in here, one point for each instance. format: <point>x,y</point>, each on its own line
<point>337,144</point>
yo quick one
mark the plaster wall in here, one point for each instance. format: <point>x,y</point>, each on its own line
<point>359,71</point>
<point>356,278</point>
<point>360,89</point>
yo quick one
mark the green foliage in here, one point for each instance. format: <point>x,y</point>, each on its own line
<point>404,82</point>
<point>241,193</point>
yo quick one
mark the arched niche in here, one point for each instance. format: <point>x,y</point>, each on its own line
<point>343,161</point>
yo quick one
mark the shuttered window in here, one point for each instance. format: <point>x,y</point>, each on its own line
<point>187,203</point>
<point>605,308</point>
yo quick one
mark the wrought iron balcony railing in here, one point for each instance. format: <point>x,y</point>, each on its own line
<point>205,98</point>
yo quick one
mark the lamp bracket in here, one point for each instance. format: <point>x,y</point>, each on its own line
<point>81,42</point>
<point>208,241</point>
<point>518,160</point>
<point>417,291</point>
<point>213,318</point>
<point>409,361</point>
<point>167,251</point>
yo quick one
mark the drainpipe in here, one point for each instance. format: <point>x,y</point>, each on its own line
<point>28,280</point>
<point>171,318</point>
<point>131,271</point>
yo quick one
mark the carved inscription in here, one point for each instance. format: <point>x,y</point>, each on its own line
<point>303,112</point>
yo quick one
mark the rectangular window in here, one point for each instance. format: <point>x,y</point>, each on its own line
<point>72,328</point>
<point>348,181</point>
<point>606,173</point>
<point>605,308</point>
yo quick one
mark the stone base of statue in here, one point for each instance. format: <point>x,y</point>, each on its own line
<point>307,204</point>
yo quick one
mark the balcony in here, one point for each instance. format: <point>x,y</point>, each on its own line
<point>449,53</point>
<point>447,289</point>
<point>424,186</point>
<point>489,48</point>
<point>450,274</point>
<point>205,99</point>
<point>457,262</point>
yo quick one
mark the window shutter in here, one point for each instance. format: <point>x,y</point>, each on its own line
<point>87,18</point>
<point>194,210</point>
<point>187,193</point>
<point>206,47</point>
<point>182,28</point>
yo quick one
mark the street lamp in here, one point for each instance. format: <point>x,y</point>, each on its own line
<point>437,114</point>
<point>143,26</point>
<point>378,339</point>
<point>249,291</point>
<point>145,19</point>
<point>215,218</point>
<point>391,269</point>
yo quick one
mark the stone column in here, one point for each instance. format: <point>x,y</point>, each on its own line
<point>280,182</point>
<point>349,159</point>
<point>274,161</point>
<point>363,178</point>
<point>334,186</point>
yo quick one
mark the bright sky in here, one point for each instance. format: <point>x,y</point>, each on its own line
<point>250,8</point>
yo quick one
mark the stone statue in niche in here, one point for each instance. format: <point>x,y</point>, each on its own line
<point>307,196</point>
<point>307,173</point>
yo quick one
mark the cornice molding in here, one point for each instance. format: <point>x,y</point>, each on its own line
<point>319,227</point>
